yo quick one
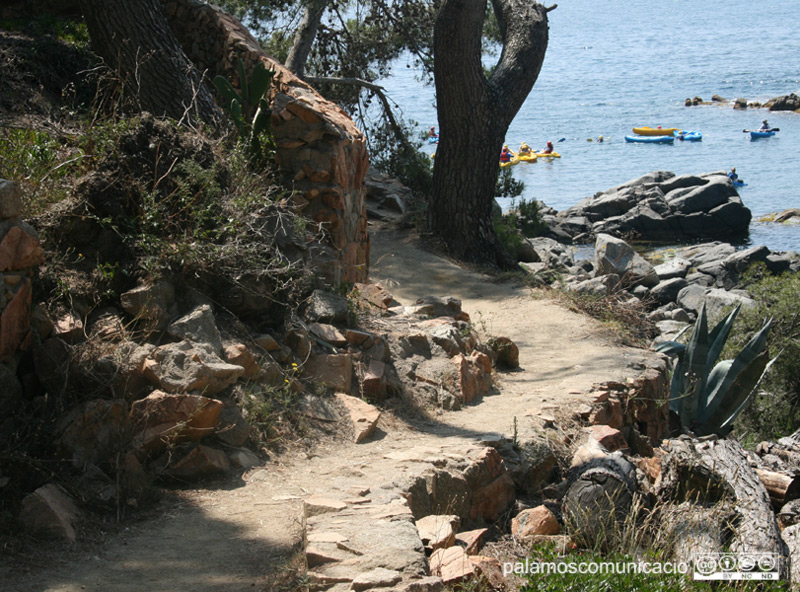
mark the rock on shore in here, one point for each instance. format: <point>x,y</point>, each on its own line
<point>658,206</point>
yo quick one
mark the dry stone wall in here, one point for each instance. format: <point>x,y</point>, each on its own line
<point>318,145</point>
<point>20,254</point>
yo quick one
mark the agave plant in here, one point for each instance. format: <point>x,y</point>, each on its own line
<point>249,108</point>
<point>706,395</point>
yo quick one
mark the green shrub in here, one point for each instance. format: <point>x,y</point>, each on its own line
<point>403,159</point>
<point>776,410</point>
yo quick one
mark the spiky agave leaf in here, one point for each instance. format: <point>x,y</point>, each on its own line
<point>695,370</point>
<point>733,386</point>
<point>727,425</point>
<point>719,336</point>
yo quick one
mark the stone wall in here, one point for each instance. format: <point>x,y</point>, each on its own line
<point>20,253</point>
<point>318,145</point>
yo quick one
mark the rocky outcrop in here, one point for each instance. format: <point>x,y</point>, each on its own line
<point>658,207</point>
<point>674,291</point>
<point>790,102</point>
<point>318,145</point>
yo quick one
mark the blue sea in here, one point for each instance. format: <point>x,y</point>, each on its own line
<point>615,64</point>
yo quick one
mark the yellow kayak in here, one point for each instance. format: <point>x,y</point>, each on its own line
<point>529,157</point>
<point>655,131</point>
<point>514,160</point>
<point>550,155</point>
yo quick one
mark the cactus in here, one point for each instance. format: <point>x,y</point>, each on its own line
<point>249,108</point>
<point>706,395</point>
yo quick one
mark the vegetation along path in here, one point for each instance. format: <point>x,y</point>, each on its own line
<point>244,534</point>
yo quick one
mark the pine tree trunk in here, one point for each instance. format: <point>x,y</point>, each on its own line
<point>304,38</point>
<point>134,39</point>
<point>474,115</point>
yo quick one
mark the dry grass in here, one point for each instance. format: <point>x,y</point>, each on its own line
<point>624,315</point>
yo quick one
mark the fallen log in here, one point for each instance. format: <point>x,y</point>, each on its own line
<point>717,471</point>
<point>600,495</point>
<point>693,530</point>
<point>781,488</point>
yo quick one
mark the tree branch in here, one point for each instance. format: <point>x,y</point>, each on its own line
<point>379,91</point>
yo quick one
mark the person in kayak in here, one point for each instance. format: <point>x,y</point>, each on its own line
<point>764,125</point>
<point>432,133</point>
<point>549,149</point>
<point>732,175</point>
<point>505,154</point>
<point>524,149</point>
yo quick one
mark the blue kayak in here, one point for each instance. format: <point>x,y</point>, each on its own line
<point>761,134</point>
<point>689,136</point>
<point>651,139</point>
<point>738,183</point>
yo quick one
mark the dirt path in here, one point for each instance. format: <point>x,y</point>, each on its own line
<point>236,537</point>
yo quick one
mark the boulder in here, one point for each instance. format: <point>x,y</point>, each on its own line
<point>327,307</point>
<point>364,417</point>
<point>238,354</point>
<point>150,302</point>
<point>535,521</point>
<point>506,351</point>
<point>330,370</point>
<point>50,512</point>
<point>741,260</point>
<point>661,206</point>
<point>550,252</point>
<point>162,419</point>
<point>613,255</point>
<point>373,384</point>
<point>201,462</point>
<point>186,366</point>
<point>610,438</point>
<point>472,540</point>
<point>433,306</point>
<point>668,290</point>
<point>677,267</point>
<point>15,317</point>
<point>198,326</point>
<point>438,531</point>
<point>474,376</point>
<point>232,428</point>
<point>719,302</point>
<point>327,333</point>
<point>691,297</point>
<point>19,247</point>
<point>790,102</point>
<point>452,565</point>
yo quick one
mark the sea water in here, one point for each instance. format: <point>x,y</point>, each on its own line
<point>615,64</point>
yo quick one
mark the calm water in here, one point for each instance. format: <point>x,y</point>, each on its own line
<point>616,64</point>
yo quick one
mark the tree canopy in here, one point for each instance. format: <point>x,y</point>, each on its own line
<point>331,42</point>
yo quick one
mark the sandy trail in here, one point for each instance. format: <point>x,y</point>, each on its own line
<point>238,535</point>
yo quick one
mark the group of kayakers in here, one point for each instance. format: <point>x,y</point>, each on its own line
<point>506,154</point>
